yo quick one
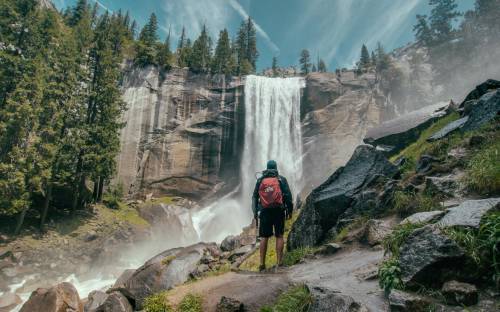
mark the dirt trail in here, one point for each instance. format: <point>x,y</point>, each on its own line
<point>343,272</point>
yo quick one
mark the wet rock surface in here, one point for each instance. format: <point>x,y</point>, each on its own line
<point>486,108</point>
<point>457,293</point>
<point>469,213</point>
<point>94,300</point>
<point>428,257</point>
<point>327,300</point>
<point>424,217</point>
<point>400,301</point>
<point>449,128</point>
<point>62,297</point>
<point>115,302</point>
<point>342,191</point>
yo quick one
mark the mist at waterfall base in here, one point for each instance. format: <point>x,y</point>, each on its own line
<point>272,131</point>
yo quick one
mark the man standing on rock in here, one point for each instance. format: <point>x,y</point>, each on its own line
<point>271,203</point>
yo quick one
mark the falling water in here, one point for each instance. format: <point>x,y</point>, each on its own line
<point>272,131</point>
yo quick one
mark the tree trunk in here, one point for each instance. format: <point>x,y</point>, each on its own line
<point>46,204</point>
<point>95,192</point>
<point>20,221</point>
<point>101,188</point>
<point>79,187</point>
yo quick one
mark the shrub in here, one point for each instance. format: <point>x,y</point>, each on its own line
<point>295,299</point>
<point>483,170</point>
<point>389,275</point>
<point>191,303</point>
<point>393,241</point>
<point>113,196</point>
<point>156,303</point>
<point>482,245</point>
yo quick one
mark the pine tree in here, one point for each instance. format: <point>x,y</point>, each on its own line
<point>246,47</point>
<point>146,47</point>
<point>442,15</point>
<point>322,66</point>
<point>183,50</point>
<point>314,69</point>
<point>241,47</point>
<point>305,62</point>
<point>165,56</point>
<point>423,33</point>
<point>383,59</point>
<point>79,11</point>
<point>200,59</point>
<point>373,59</point>
<point>274,66</point>
<point>364,60</point>
<point>251,54</point>
<point>222,63</point>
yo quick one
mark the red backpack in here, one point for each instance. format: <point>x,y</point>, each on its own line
<point>270,193</point>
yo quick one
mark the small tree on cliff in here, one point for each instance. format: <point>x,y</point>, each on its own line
<point>322,66</point>
<point>274,66</point>
<point>222,62</point>
<point>146,47</point>
<point>442,15</point>
<point>364,60</point>
<point>423,33</point>
<point>305,62</point>
<point>202,53</point>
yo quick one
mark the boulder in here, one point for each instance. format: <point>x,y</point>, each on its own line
<point>243,250</point>
<point>375,231</point>
<point>424,217</point>
<point>9,301</point>
<point>400,301</point>
<point>328,249</point>
<point>90,236</point>
<point>166,270</point>
<point>428,258</point>
<point>335,196</point>
<point>123,278</point>
<point>94,300</point>
<point>60,298</point>
<point>396,134</point>
<point>483,111</point>
<point>229,305</point>
<point>230,243</point>
<point>445,185</point>
<point>425,163</point>
<point>469,213</point>
<point>115,302</point>
<point>449,128</point>
<point>326,300</point>
<point>457,293</point>
<point>481,90</point>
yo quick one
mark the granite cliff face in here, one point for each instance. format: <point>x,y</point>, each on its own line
<point>182,132</point>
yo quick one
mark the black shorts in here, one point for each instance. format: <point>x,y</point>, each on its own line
<point>272,221</point>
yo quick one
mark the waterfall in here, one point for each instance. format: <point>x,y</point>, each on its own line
<point>272,131</point>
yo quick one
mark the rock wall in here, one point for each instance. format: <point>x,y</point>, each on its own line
<point>182,134</point>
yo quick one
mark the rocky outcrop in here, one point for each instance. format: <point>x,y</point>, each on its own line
<point>400,301</point>
<point>166,270</point>
<point>9,301</point>
<point>326,300</point>
<point>229,305</point>
<point>469,213</point>
<point>429,258</point>
<point>94,300</point>
<point>424,217</point>
<point>482,111</point>
<point>60,298</point>
<point>359,187</point>
<point>481,90</point>
<point>457,293</point>
<point>115,302</point>
<point>182,134</point>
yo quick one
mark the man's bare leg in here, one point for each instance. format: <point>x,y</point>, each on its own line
<point>280,243</point>
<point>263,251</point>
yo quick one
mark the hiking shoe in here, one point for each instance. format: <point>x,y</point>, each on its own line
<point>262,268</point>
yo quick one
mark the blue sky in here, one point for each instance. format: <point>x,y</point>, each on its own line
<point>334,29</point>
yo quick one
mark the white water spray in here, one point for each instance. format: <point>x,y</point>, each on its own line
<point>272,131</point>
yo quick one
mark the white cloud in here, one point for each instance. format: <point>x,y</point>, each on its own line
<point>215,14</point>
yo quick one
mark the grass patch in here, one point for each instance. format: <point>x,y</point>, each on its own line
<point>167,260</point>
<point>357,223</point>
<point>252,263</point>
<point>482,245</point>
<point>398,236</point>
<point>483,170</point>
<point>130,215</point>
<point>421,146</point>
<point>164,200</point>
<point>407,203</point>
<point>295,299</point>
<point>157,303</point>
<point>294,256</point>
<point>191,303</point>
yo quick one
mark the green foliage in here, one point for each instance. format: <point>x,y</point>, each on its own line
<point>113,197</point>
<point>274,66</point>
<point>191,303</point>
<point>389,275</point>
<point>157,303</point>
<point>294,256</point>
<point>322,66</point>
<point>364,60</point>
<point>296,299</point>
<point>482,245</point>
<point>483,170</point>
<point>246,48</point>
<point>146,47</point>
<point>407,203</point>
<point>398,236</point>
<point>423,33</point>
<point>201,54</point>
<point>224,60</point>
<point>442,16</point>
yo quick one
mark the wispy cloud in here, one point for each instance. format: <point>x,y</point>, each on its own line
<point>101,5</point>
<point>215,14</point>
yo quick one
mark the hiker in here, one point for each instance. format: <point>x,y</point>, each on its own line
<point>271,204</point>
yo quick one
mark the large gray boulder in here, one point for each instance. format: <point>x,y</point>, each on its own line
<point>326,300</point>
<point>428,258</point>
<point>115,302</point>
<point>457,293</point>
<point>481,90</point>
<point>469,213</point>
<point>94,300</point>
<point>400,301</point>
<point>166,270</point>
<point>345,191</point>
<point>486,108</point>
<point>62,297</point>
<point>424,217</point>
<point>394,135</point>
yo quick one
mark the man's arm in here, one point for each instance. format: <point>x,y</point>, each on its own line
<point>255,199</point>
<point>287,195</point>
